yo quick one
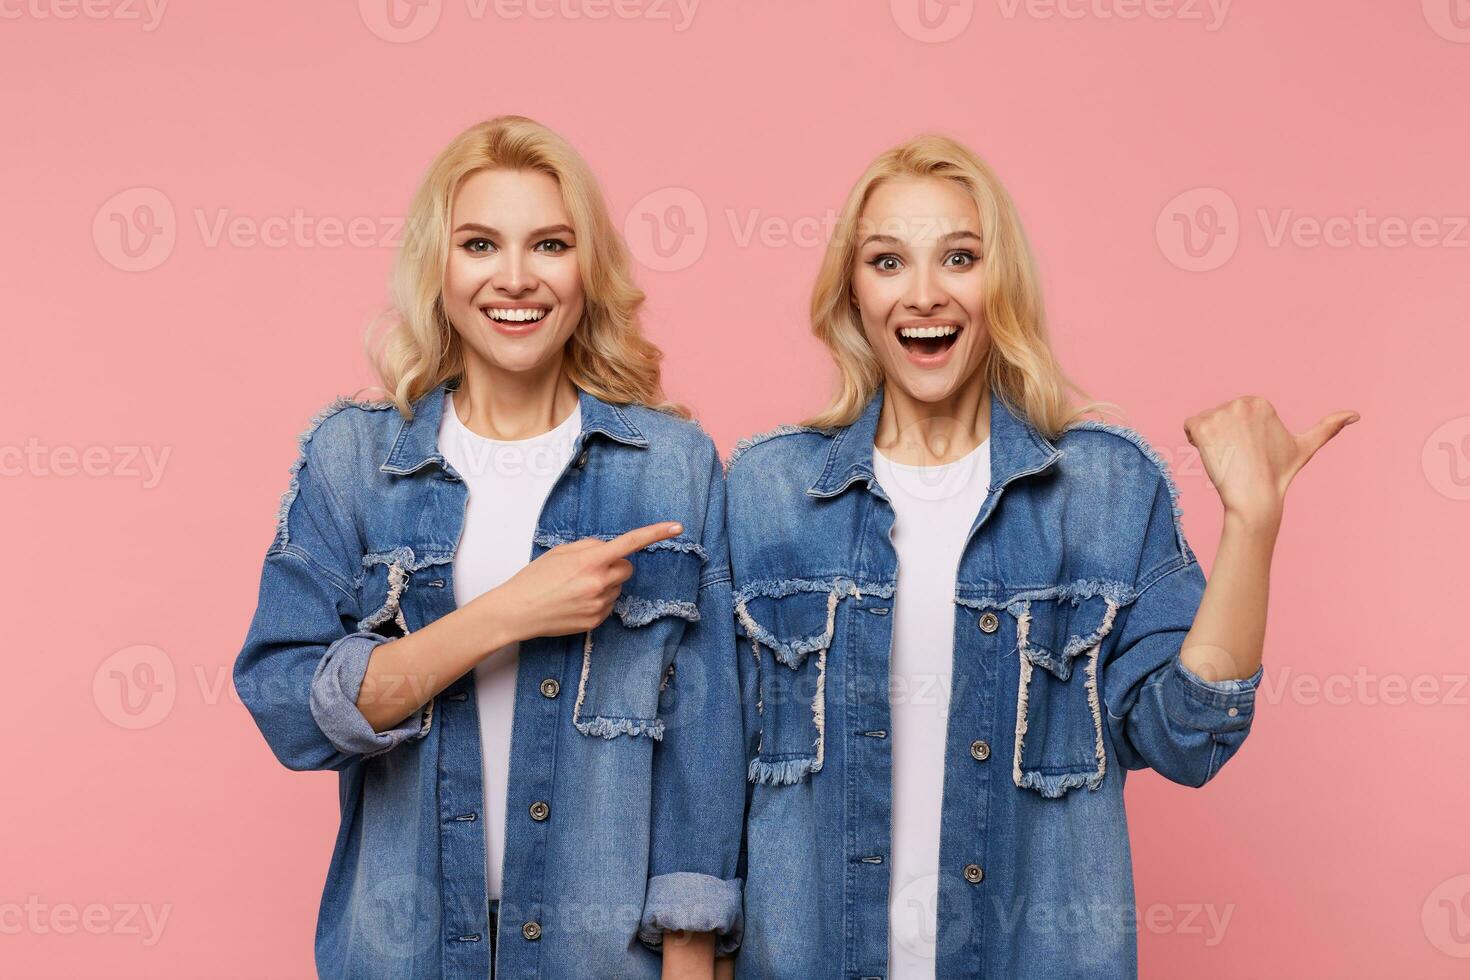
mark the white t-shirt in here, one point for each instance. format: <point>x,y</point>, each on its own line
<point>508,483</point>
<point>934,507</point>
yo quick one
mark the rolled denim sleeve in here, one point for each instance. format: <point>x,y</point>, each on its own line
<point>303,661</point>
<point>699,766</point>
<point>334,690</point>
<point>1161,715</point>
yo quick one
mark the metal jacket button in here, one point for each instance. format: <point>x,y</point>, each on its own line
<point>973,874</point>
<point>539,810</point>
<point>550,688</point>
<point>980,749</point>
<point>531,930</point>
<point>989,623</point>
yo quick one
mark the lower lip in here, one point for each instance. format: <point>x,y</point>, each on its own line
<point>930,361</point>
<point>515,328</point>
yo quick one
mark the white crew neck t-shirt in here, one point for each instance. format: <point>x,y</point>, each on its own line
<point>508,482</point>
<point>933,507</point>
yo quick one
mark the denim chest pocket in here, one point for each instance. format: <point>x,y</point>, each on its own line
<point>394,589</point>
<point>628,659</point>
<point>1059,742</point>
<point>790,636</point>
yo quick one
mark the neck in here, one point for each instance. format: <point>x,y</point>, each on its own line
<point>919,433</point>
<point>510,405</point>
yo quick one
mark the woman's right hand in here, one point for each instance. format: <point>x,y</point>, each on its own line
<point>572,587</point>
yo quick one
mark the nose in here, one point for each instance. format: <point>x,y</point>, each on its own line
<point>513,276</point>
<point>926,296</point>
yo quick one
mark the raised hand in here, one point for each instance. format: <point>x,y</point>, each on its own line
<point>572,587</point>
<point>1251,457</point>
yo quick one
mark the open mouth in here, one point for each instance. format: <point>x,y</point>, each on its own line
<point>932,340</point>
<point>515,314</point>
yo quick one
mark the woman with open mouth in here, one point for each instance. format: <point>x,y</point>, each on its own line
<point>968,611</point>
<point>498,605</point>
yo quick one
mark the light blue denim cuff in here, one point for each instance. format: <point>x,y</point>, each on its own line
<point>334,690</point>
<point>684,901</point>
<point>1210,706</point>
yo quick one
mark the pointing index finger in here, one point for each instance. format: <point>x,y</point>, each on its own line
<point>639,538</point>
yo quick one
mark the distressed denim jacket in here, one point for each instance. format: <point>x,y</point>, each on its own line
<point>1074,593</point>
<point>625,787</point>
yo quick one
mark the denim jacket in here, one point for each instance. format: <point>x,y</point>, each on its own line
<point>625,787</point>
<point>1074,593</point>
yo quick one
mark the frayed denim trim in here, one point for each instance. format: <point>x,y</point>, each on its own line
<point>405,557</point>
<point>637,611</point>
<point>401,563</point>
<point>391,609</point>
<point>781,430</point>
<point>1060,664</point>
<point>600,727</point>
<point>1152,456</point>
<point>1053,785</point>
<point>795,652</point>
<point>603,727</point>
<point>283,531</point>
<point>776,588</point>
<point>551,539</point>
<point>781,773</point>
<point>687,901</point>
<point>1118,592</point>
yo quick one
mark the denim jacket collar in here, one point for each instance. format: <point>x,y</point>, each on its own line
<point>1016,449</point>
<point>417,443</point>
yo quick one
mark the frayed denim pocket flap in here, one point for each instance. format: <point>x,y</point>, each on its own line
<point>627,659</point>
<point>1052,633</point>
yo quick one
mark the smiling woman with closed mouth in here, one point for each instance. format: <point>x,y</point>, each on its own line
<point>968,611</point>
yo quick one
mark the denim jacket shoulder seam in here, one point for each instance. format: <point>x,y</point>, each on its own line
<point>303,441</point>
<point>1149,453</point>
<point>1162,571</point>
<point>317,566</point>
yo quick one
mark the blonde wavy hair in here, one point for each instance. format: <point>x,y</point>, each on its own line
<point>1019,363</point>
<point>607,354</point>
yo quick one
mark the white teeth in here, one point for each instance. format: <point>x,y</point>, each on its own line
<point>516,316</point>
<point>937,331</point>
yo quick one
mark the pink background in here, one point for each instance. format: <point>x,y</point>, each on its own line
<point>1335,843</point>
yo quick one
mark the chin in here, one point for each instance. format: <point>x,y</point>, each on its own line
<point>926,389</point>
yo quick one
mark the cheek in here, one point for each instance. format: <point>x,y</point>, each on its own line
<point>461,280</point>
<point>565,280</point>
<point>874,303</point>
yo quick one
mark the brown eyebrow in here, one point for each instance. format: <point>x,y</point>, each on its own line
<point>952,236</point>
<point>538,233</point>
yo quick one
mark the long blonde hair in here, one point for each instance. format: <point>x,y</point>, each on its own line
<point>607,354</point>
<point>1019,363</point>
